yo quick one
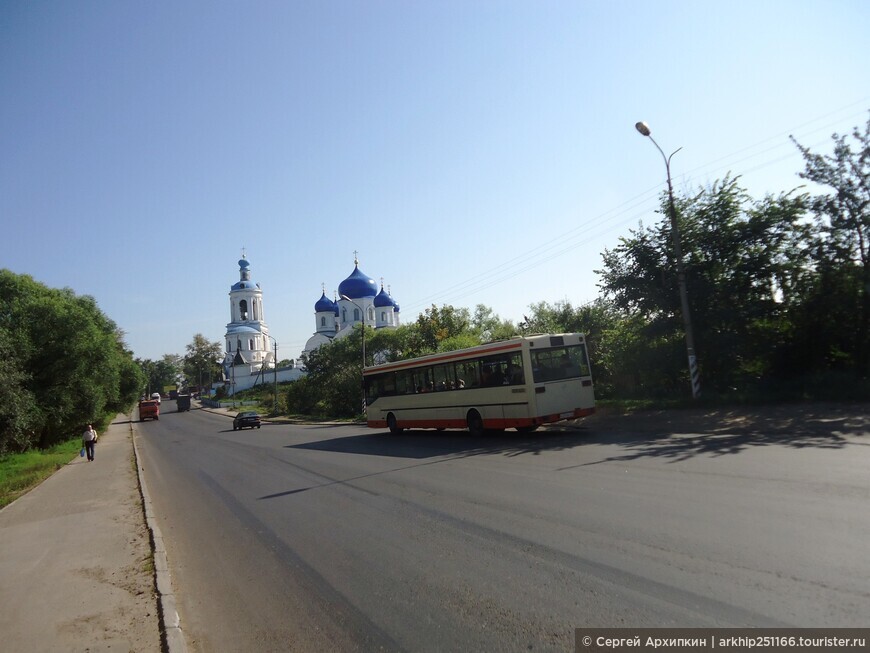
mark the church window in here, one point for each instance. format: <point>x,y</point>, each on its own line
<point>251,344</point>
<point>229,345</point>
<point>238,344</point>
<point>256,307</point>
<point>356,315</point>
<point>344,315</point>
<point>243,309</point>
<point>371,314</point>
<point>323,321</point>
<point>383,316</point>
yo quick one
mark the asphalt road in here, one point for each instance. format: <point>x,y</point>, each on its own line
<point>317,538</point>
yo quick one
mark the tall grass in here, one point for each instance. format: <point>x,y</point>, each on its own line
<point>20,472</point>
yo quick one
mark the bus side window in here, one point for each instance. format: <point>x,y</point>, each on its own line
<point>468,372</point>
<point>515,370</point>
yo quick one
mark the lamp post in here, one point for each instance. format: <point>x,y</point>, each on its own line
<point>275,368</point>
<point>694,376</point>
<point>362,378</point>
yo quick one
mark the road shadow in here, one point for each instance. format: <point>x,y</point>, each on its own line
<point>672,434</point>
<point>682,434</point>
<point>423,444</point>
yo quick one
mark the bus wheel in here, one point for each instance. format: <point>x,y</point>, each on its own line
<point>475,423</point>
<point>527,429</point>
<point>395,429</point>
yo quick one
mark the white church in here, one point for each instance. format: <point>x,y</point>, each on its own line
<point>358,302</point>
<point>250,359</point>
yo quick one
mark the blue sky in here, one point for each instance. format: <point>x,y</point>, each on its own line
<point>472,152</point>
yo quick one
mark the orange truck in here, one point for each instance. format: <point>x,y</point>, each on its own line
<point>149,410</point>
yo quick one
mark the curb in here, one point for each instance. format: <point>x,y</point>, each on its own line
<point>172,640</point>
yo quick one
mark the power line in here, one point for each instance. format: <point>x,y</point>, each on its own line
<point>567,241</point>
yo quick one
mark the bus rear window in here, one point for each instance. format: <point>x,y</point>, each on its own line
<point>559,363</point>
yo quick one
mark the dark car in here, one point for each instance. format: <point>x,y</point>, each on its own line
<point>248,419</point>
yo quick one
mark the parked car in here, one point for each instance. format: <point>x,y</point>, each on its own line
<point>155,396</point>
<point>248,419</point>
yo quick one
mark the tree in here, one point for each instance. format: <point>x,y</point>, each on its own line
<point>488,326</point>
<point>333,385</point>
<point>437,324</point>
<point>73,367</point>
<point>840,289</point>
<point>741,257</point>
<point>202,362</point>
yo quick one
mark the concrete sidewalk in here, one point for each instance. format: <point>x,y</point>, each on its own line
<point>76,569</point>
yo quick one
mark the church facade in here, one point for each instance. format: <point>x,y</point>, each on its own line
<point>358,301</point>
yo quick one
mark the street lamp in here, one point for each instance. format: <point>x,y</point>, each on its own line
<point>275,368</point>
<point>694,376</point>
<point>363,381</point>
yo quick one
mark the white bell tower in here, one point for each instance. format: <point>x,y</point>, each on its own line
<point>247,337</point>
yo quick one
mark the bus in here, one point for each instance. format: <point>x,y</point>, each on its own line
<point>519,383</point>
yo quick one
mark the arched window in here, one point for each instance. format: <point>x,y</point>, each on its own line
<point>243,310</point>
<point>356,315</point>
<point>238,344</point>
<point>229,345</point>
<point>383,316</point>
<point>256,306</point>
<point>344,315</point>
<point>323,321</point>
<point>371,314</point>
<point>251,344</point>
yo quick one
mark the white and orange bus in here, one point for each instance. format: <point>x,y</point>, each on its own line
<point>519,383</point>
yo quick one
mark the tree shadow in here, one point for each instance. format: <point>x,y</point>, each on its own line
<point>682,434</point>
<point>672,434</point>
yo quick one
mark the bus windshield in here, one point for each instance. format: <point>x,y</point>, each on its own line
<point>559,363</point>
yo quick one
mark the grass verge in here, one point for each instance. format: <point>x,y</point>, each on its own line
<point>22,471</point>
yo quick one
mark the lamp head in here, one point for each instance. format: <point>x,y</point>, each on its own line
<point>643,128</point>
<point>345,298</point>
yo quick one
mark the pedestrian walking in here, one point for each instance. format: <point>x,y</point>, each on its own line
<point>89,439</point>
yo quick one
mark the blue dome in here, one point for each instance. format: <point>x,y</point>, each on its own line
<point>325,304</point>
<point>243,285</point>
<point>383,299</point>
<point>244,282</point>
<point>358,285</point>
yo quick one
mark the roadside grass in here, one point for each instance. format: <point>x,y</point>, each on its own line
<point>22,471</point>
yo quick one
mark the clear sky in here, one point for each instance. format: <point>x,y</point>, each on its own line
<point>472,152</point>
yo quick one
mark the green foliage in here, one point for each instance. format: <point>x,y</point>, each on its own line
<point>22,471</point>
<point>437,324</point>
<point>333,385</point>
<point>838,290</point>
<point>202,364</point>
<point>64,364</point>
<point>157,375</point>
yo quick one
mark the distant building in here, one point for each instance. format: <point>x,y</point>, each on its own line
<point>249,358</point>
<point>357,298</point>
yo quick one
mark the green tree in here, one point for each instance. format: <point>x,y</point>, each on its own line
<point>75,366</point>
<point>839,291</point>
<point>201,364</point>
<point>488,326</point>
<point>333,385</point>
<point>437,324</point>
<point>741,258</point>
